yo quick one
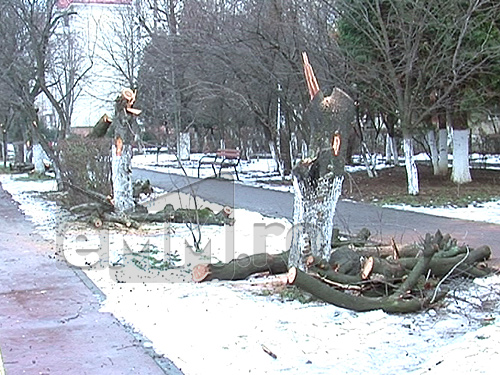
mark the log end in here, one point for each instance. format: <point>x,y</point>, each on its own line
<point>227,211</point>
<point>292,275</point>
<point>367,268</point>
<point>200,273</point>
<point>97,222</point>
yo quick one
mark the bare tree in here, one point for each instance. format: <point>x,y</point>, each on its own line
<point>400,52</point>
<point>39,22</point>
<point>124,45</point>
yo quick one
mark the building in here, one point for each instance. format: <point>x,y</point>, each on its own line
<point>89,41</point>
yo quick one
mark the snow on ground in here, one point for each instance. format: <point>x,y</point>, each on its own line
<point>223,327</point>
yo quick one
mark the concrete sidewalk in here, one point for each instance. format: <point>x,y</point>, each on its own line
<point>49,318</point>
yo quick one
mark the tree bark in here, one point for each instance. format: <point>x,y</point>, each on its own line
<point>101,127</point>
<point>443,151</point>
<point>390,121</point>
<point>398,302</point>
<point>241,268</point>
<point>460,173</point>
<point>411,167</point>
<point>431,140</point>
<point>121,162</point>
<point>391,151</point>
<point>38,156</point>
<point>318,179</point>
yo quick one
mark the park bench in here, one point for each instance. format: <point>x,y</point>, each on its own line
<point>223,158</point>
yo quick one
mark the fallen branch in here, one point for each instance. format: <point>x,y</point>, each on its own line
<point>241,268</point>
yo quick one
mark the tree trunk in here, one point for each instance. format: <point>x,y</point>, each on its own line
<point>241,268</point>
<point>121,169</point>
<point>121,160</point>
<point>276,157</point>
<point>318,180</point>
<point>431,140</point>
<point>391,144</point>
<point>460,173</point>
<point>184,146</point>
<point>38,157</point>
<point>19,152</point>
<point>5,151</point>
<point>391,150</point>
<point>442,145</point>
<point>411,167</point>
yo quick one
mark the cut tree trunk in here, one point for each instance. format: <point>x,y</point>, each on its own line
<point>241,268</point>
<point>392,284</point>
<point>318,179</point>
<point>399,302</point>
<point>121,161</point>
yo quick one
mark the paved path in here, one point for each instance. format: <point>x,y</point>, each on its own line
<point>50,322</point>
<point>384,223</point>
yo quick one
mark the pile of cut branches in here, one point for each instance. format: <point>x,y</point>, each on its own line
<point>364,276</point>
<point>102,211</point>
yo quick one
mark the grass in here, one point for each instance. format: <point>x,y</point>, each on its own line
<point>435,191</point>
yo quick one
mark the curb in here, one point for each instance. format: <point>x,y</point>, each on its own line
<point>2,369</point>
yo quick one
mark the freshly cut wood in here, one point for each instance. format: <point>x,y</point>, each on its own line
<point>389,270</point>
<point>399,302</point>
<point>96,221</point>
<point>392,285</point>
<point>395,253</point>
<point>367,268</point>
<point>134,111</point>
<point>241,268</point>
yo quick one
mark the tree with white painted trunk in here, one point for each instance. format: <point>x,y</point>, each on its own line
<point>410,164</point>
<point>121,153</point>
<point>399,53</point>
<point>460,173</point>
<point>430,137</point>
<point>391,148</point>
<point>318,179</point>
<point>442,143</point>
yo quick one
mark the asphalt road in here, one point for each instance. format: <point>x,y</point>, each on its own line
<point>383,223</point>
